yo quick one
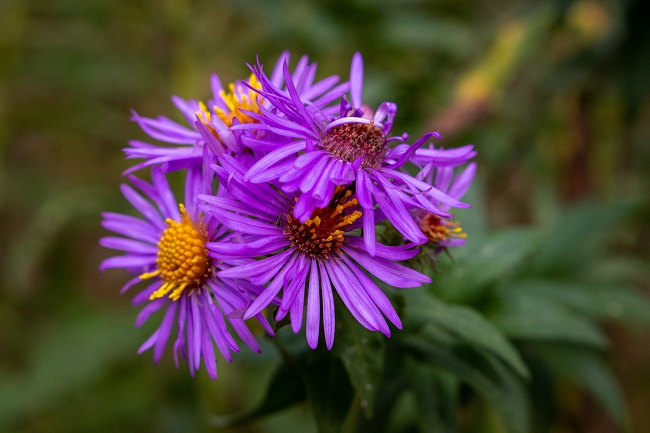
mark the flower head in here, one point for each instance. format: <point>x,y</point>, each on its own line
<point>443,232</point>
<point>168,249</point>
<point>353,147</point>
<point>212,123</point>
<point>306,259</point>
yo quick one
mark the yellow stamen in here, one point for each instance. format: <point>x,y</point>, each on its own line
<point>183,260</point>
<point>438,229</point>
<point>235,102</point>
<point>321,234</point>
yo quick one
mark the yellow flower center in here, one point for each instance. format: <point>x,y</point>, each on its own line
<point>235,101</point>
<point>322,234</point>
<point>438,229</point>
<point>183,261</point>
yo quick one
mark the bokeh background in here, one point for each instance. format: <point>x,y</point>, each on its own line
<point>554,94</point>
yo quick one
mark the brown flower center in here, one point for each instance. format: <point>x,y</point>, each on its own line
<point>438,229</point>
<point>352,141</point>
<point>323,233</point>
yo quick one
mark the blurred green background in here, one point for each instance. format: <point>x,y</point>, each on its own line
<point>555,95</point>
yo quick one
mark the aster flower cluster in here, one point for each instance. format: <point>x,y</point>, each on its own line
<point>286,180</point>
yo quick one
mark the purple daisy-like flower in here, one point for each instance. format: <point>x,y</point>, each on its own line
<point>354,146</point>
<point>308,260</point>
<point>444,232</point>
<point>168,249</point>
<point>212,123</point>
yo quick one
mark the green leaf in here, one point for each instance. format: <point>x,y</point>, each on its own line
<point>329,392</point>
<point>525,317</point>
<point>614,302</point>
<point>467,325</point>
<point>580,229</point>
<point>586,367</point>
<point>483,372</point>
<point>481,263</point>
<point>436,398</point>
<point>285,389</point>
<point>362,354</point>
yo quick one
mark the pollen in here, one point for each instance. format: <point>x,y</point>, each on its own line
<point>182,263</point>
<point>323,233</point>
<point>352,141</point>
<point>438,229</point>
<point>238,98</point>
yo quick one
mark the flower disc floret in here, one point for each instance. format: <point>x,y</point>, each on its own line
<point>238,101</point>
<point>351,141</point>
<point>439,230</point>
<point>323,233</point>
<point>182,259</point>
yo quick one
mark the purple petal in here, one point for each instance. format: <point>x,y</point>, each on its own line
<point>164,331</point>
<point>313,307</point>
<point>148,310</point>
<point>145,208</point>
<point>375,293</point>
<point>257,172</point>
<point>387,271</point>
<point>196,324</point>
<point>329,318</point>
<point>128,245</point>
<point>265,298</point>
<point>128,262</point>
<point>356,80</point>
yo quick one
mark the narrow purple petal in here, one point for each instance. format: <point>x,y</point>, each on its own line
<point>264,268</point>
<point>401,252</point>
<point>265,298</point>
<point>369,236</point>
<point>374,293</point>
<point>388,271</point>
<point>131,227</point>
<point>129,262</point>
<point>196,324</point>
<point>145,208</point>
<point>163,331</point>
<point>356,80</point>
<point>128,245</point>
<point>462,181</point>
<point>257,172</point>
<point>148,310</point>
<point>207,349</point>
<point>313,307</point>
<point>297,309</point>
<point>354,303</point>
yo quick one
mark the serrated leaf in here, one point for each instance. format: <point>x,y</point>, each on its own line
<point>466,324</point>
<point>524,317</point>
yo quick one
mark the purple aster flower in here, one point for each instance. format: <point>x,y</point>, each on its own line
<point>354,146</point>
<point>308,261</point>
<point>167,248</point>
<point>443,232</point>
<point>211,123</point>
